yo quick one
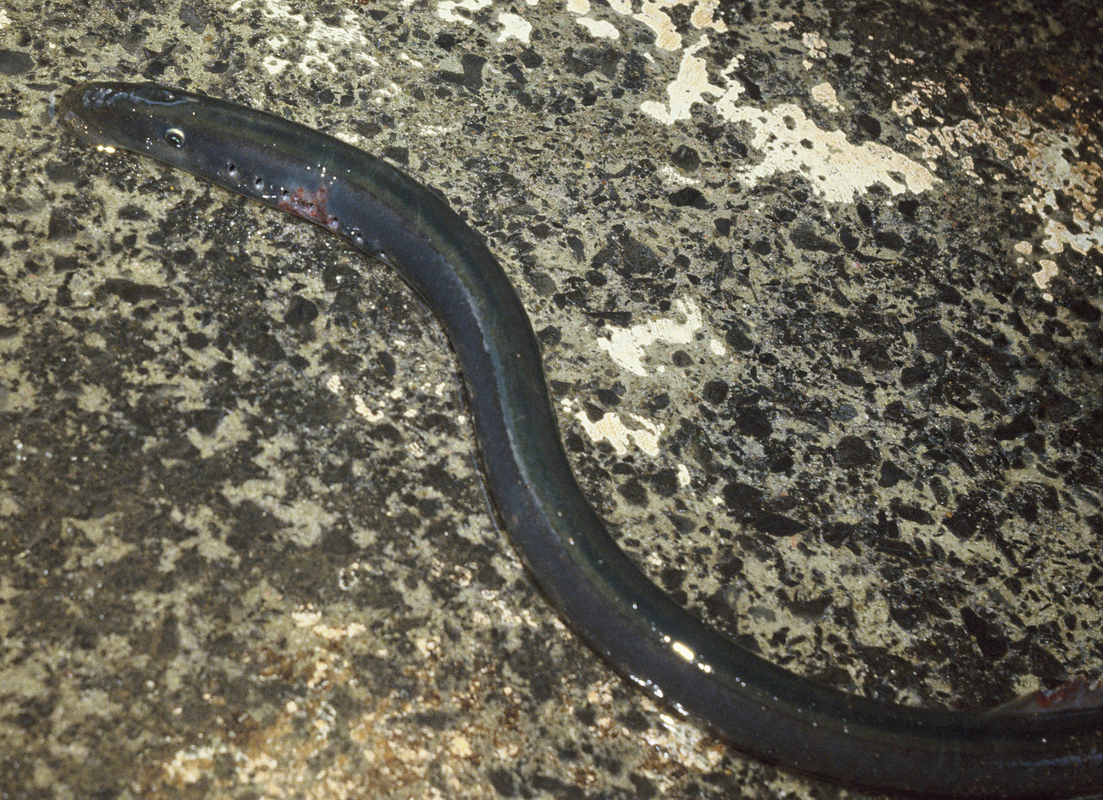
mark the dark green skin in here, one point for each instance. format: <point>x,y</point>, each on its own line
<point>758,707</point>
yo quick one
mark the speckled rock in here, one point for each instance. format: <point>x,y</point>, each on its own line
<point>819,287</point>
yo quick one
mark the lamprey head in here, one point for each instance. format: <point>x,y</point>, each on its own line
<point>145,118</point>
<point>245,150</point>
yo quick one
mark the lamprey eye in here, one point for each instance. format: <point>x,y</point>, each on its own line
<point>175,137</point>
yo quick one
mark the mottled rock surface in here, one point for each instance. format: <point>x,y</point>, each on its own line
<point>819,287</point>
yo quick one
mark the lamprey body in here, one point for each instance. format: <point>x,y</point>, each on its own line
<point>761,709</point>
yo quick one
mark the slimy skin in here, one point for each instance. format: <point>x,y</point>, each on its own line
<point>761,709</point>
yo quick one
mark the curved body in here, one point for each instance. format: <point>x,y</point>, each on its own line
<point>758,707</point>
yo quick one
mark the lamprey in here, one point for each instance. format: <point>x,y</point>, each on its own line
<point>760,708</point>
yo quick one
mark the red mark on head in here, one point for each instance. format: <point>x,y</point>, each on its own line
<point>1074,694</point>
<point>309,205</point>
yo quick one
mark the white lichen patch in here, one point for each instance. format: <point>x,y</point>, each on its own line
<point>306,617</point>
<point>628,346</point>
<point>655,15</point>
<point>684,478</point>
<point>837,170</point>
<point>272,64</point>
<point>599,28</point>
<point>514,27</point>
<point>335,385</point>
<point>365,411</point>
<point>651,15</point>
<point>1058,236</point>
<point>815,44</point>
<point>1046,272</point>
<point>612,429</point>
<point>317,39</point>
<point>1038,153</point>
<point>311,619</point>
<point>671,174</point>
<point>824,94</point>
<point>436,131</point>
<point>692,86</point>
<point>446,9</point>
